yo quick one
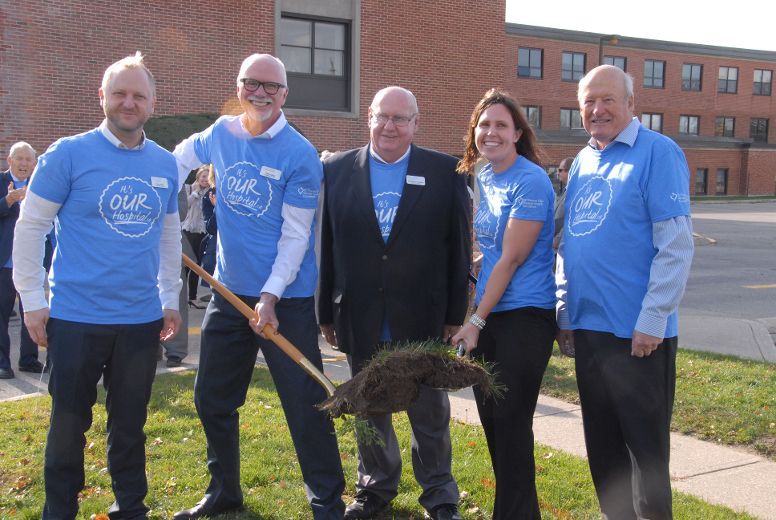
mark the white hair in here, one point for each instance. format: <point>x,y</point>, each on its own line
<point>21,145</point>
<point>382,92</point>
<point>253,58</point>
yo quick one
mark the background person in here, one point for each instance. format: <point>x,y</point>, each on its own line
<point>514,323</point>
<point>268,178</point>
<point>193,226</point>
<point>114,285</point>
<point>622,269</point>
<point>560,199</point>
<point>395,252</point>
<point>13,189</point>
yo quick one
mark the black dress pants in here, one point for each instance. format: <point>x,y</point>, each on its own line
<point>125,357</point>
<point>519,342</point>
<point>28,350</point>
<point>227,358</point>
<point>627,403</point>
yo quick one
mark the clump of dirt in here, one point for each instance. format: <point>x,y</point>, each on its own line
<point>392,379</point>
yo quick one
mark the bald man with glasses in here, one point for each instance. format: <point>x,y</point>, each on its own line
<point>268,177</point>
<point>395,249</point>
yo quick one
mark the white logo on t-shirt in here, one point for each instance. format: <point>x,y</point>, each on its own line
<point>244,190</point>
<point>130,206</point>
<point>386,206</point>
<point>485,226</point>
<point>590,206</point>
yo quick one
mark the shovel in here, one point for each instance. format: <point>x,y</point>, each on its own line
<point>268,330</point>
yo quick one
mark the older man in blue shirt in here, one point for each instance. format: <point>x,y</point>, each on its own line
<point>623,265</point>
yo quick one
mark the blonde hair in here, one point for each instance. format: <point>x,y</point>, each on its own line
<point>130,62</point>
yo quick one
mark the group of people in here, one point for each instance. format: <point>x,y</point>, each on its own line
<point>395,253</point>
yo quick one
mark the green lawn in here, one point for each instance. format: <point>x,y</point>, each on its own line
<point>718,398</point>
<point>270,475</point>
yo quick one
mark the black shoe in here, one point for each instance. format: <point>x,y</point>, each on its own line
<point>366,505</point>
<point>205,508</point>
<point>206,297</point>
<point>6,373</point>
<point>36,368</point>
<point>444,512</point>
<point>194,304</point>
<point>173,361</point>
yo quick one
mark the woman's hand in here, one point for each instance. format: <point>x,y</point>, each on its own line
<point>468,336</point>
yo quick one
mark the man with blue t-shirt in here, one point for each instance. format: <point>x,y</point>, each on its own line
<point>268,177</point>
<point>623,265</point>
<point>114,285</point>
<point>395,250</point>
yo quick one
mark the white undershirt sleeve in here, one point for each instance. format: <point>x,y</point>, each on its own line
<point>186,158</point>
<point>292,246</point>
<point>170,262</point>
<point>35,219</point>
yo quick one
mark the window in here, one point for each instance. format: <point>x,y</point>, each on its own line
<point>534,115</point>
<point>688,125</point>
<point>758,130</point>
<point>315,53</point>
<point>691,76</point>
<point>728,80</point>
<point>572,66</point>
<point>725,126</point>
<point>529,63</point>
<point>722,181</point>
<point>617,61</point>
<point>701,181</point>
<point>570,118</point>
<point>652,121</point>
<point>654,73</point>
<point>762,82</point>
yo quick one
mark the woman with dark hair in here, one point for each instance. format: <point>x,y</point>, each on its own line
<point>515,292</point>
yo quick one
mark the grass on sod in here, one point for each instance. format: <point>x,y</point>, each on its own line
<point>718,398</point>
<point>270,474</point>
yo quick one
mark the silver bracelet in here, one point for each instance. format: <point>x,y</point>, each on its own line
<point>477,321</point>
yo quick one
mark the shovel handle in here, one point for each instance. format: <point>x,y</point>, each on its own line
<point>269,331</point>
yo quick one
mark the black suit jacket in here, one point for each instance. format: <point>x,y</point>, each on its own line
<point>8,218</point>
<point>418,278</point>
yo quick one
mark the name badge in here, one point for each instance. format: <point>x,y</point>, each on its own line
<point>271,173</point>
<point>159,182</point>
<point>416,180</point>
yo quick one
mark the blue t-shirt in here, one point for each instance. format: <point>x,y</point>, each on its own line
<point>614,196</point>
<point>113,203</point>
<point>523,192</point>
<point>387,182</point>
<point>387,186</point>
<point>254,177</point>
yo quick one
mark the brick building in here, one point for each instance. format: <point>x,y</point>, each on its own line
<point>340,52</point>
<point>715,102</point>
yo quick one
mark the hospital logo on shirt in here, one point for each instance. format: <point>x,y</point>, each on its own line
<point>590,206</point>
<point>485,226</point>
<point>386,205</point>
<point>130,206</point>
<point>245,190</point>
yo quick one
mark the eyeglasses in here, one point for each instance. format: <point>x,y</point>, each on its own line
<point>382,119</point>
<point>270,87</point>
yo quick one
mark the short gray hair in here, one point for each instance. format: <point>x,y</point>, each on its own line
<point>21,145</point>
<point>253,58</point>
<point>626,78</point>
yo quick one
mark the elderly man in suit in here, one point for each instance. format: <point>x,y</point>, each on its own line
<point>13,189</point>
<point>395,249</point>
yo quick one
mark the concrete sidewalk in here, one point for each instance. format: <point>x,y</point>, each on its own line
<point>721,475</point>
